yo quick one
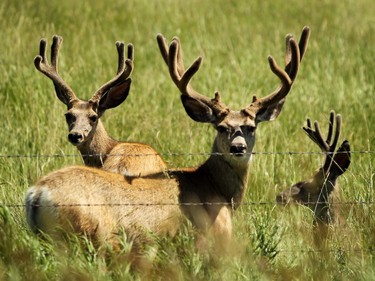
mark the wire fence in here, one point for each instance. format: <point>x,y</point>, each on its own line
<point>256,204</point>
<point>182,204</point>
<point>153,204</point>
<point>148,204</point>
<point>183,154</point>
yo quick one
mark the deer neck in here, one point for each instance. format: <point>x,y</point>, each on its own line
<point>94,151</point>
<point>228,174</point>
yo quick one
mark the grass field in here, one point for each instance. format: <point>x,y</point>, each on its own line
<point>235,38</point>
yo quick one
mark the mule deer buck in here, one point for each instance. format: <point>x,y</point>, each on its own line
<point>86,131</point>
<point>205,195</point>
<point>320,191</point>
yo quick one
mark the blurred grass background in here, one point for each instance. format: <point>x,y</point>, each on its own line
<point>235,38</point>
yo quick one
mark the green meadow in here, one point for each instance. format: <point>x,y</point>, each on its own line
<point>234,37</point>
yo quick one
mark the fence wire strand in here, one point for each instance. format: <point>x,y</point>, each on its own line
<point>181,204</point>
<point>177,154</point>
<point>145,204</point>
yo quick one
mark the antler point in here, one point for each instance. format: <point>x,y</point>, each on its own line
<point>38,58</point>
<point>289,36</point>
<point>57,38</point>
<point>37,62</point>
<point>119,43</point>
<point>217,96</point>
<point>160,37</point>
<point>306,28</point>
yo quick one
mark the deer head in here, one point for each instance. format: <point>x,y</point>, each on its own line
<point>236,129</point>
<point>82,117</point>
<point>316,192</point>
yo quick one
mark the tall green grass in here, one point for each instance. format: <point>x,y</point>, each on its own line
<point>235,38</point>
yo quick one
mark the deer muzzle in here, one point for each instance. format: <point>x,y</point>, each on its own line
<point>238,146</point>
<point>75,138</point>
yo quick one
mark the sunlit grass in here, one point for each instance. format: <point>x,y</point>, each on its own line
<point>235,38</point>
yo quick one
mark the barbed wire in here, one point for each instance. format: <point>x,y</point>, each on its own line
<point>334,251</point>
<point>146,204</point>
<point>181,204</point>
<point>178,154</point>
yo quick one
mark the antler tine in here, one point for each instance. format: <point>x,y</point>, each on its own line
<point>325,145</point>
<point>302,46</point>
<point>131,52</point>
<point>173,65</point>
<point>121,56</point>
<point>56,43</point>
<point>124,69</point>
<point>337,133</point>
<point>164,50</point>
<point>129,62</point>
<point>329,162</point>
<point>173,58</point>
<point>319,138</point>
<point>64,92</point>
<point>286,82</point>
<point>293,57</point>
<point>303,41</point>
<point>180,62</point>
<point>181,78</point>
<point>163,47</point>
<point>330,126</point>
<point>316,135</point>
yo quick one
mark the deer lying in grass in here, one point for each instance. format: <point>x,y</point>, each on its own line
<point>206,195</point>
<point>86,131</point>
<point>320,191</point>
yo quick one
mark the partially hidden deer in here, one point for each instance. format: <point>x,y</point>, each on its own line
<point>206,195</point>
<point>320,193</point>
<point>86,131</point>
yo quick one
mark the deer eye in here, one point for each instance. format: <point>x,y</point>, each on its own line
<point>248,129</point>
<point>69,117</point>
<point>222,129</point>
<point>93,118</point>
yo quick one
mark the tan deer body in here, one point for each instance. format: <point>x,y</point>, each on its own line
<point>86,130</point>
<point>206,195</point>
<point>96,202</point>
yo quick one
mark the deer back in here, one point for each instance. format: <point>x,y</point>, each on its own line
<point>99,203</point>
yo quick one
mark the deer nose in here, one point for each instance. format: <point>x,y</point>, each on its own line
<point>75,138</point>
<point>238,149</point>
<point>280,198</point>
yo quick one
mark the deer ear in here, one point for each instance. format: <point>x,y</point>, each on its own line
<point>197,110</point>
<point>342,159</point>
<point>115,95</point>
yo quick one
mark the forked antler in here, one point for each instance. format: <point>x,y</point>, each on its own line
<point>325,145</point>
<point>63,90</point>
<point>124,69</point>
<point>320,190</point>
<point>173,58</point>
<point>293,58</point>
